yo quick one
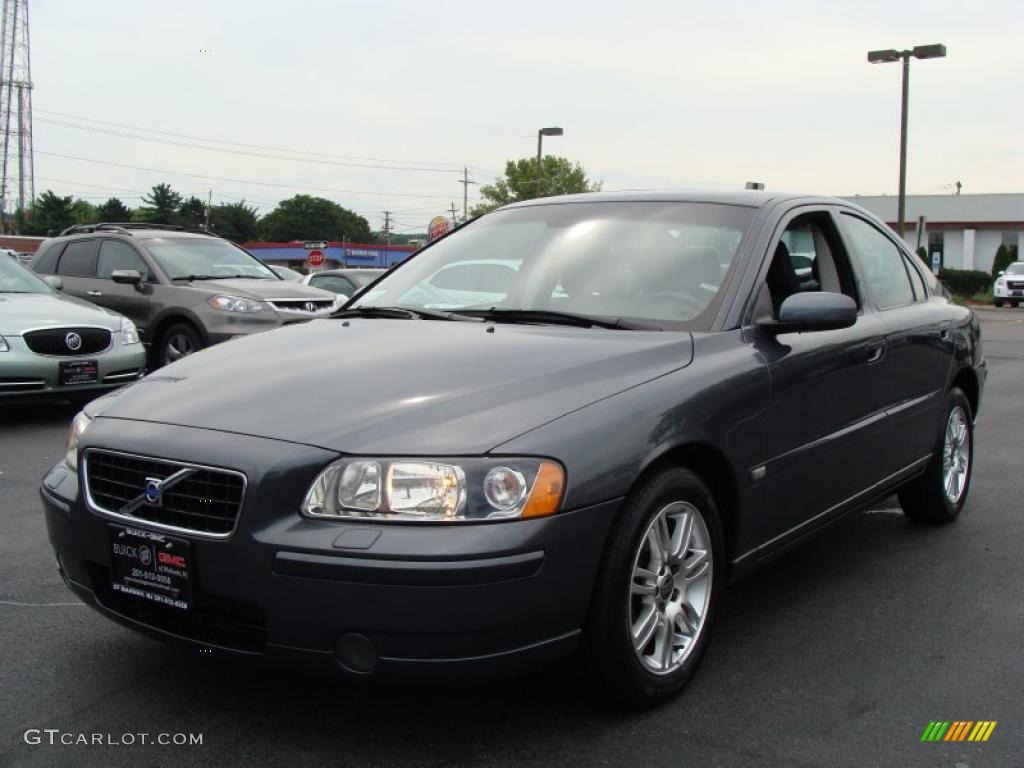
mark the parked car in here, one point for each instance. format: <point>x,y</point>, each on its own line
<point>51,344</point>
<point>24,257</point>
<point>1009,286</point>
<point>184,290</point>
<point>654,406</point>
<point>287,273</point>
<point>344,282</point>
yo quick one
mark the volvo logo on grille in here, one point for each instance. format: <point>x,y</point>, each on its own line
<point>153,491</point>
<point>74,341</point>
<point>310,306</point>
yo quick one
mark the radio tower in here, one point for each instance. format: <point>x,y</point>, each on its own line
<point>15,111</point>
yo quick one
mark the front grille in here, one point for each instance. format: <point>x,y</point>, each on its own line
<point>197,499</point>
<point>1015,284</point>
<point>54,341</point>
<point>307,306</point>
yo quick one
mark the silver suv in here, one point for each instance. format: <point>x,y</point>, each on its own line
<point>184,290</point>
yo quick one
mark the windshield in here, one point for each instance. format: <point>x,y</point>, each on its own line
<point>660,262</point>
<point>14,278</point>
<point>1015,269</point>
<point>205,257</point>
<point>361,277</point>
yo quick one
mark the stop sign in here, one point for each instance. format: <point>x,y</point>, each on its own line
<point>315,258</point>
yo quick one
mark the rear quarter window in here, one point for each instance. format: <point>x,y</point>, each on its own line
<point>45,260</point>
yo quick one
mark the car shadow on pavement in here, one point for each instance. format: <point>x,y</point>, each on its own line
<point>36,413</point>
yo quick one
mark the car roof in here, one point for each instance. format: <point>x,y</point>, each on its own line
<point>753,198</point>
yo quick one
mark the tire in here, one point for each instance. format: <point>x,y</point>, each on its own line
<point>1015,303</point>
<point>638,675</point>
<point>177,341</point>
<point>998,302</point>
<point>930,499</point>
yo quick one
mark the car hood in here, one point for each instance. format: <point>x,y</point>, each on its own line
<point>263,289</point>
<point>22,311</point>
<point>405,387</point>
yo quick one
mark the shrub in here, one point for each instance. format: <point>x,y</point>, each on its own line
<point>1004,258</point>
<point>965,282</point>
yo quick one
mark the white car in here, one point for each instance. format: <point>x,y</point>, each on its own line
<point>1009,286</point>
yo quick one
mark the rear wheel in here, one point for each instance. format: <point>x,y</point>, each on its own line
<point>938,495</point>
<point>1014,303</point>
<point>178,341</point>
<point>657,591</point>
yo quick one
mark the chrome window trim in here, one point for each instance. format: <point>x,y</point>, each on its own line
<point>142,523</point>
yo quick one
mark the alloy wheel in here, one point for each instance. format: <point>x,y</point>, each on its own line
<point>670,587</point>
<point>178,346</point>
<point>956,455</point>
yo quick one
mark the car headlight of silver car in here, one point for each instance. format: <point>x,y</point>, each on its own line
<point>79,424</point>
<point>438,490</point>
<point>227,303</point>
<point>129,333</point>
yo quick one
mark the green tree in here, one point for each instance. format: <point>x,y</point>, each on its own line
<point>192,213</point>
<point>304,217</point>
<point>114,211</point>
<point>160,206</point>
<point>1004,258</point>
<point>235,221</point>
<point>520,182</point>
<point>84,212</point>
<point>48,215</point>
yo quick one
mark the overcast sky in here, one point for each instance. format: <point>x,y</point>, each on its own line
<point>650,94</point>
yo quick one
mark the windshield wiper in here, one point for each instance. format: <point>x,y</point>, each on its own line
<point>559,318</point>
<point>190,278</point>
<point>402,313</point>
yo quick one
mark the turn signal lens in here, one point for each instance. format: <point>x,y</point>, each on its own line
<point>547,491</point>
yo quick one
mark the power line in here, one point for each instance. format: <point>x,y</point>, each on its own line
<point>241,181</point>
<point>248,146</point>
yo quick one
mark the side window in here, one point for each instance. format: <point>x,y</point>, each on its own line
<point>920,290</point>
<point>881,263</point>
<point>117,255</point>
<point>78,259</point>
<point>333,283</point>
<point>808,256</point>
<point>45,260</point>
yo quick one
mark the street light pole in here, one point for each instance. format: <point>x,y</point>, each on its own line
<point>540,158</point>
<point>887,56</point>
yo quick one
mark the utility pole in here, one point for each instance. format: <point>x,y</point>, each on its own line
<point>209,203</point>
<point>465,182</point>
<point>387,227</point>
<point>454,219</point>
<point>15,106</point>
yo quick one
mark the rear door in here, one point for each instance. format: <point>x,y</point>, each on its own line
<point>129,300</point>
<point>919,340</point>
<point>76,267</point>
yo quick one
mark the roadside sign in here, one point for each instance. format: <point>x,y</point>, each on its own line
<point>438,227</point>
<point>316,245</point>
<point>936,262</point>
<point>315,258</point>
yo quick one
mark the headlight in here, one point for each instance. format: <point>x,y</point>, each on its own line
<point>441,490</point>
<point>3,345</point>
<point>129,333</point>
<point>79,424</point>
<point>233,304</point>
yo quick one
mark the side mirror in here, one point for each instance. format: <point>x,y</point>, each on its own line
<point>126,276</point>
<point>54,282</point>
<point>818,311</point>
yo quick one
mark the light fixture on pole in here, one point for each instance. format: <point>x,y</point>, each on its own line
<point>540,158</point>
<point>888,56</point>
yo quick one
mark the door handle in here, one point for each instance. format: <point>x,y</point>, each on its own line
<point>876,350</point>
<point>94,293</point>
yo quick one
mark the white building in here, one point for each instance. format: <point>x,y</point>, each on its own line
<point>964,230</point>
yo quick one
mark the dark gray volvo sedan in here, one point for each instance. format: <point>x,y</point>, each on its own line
<point>671,389</point>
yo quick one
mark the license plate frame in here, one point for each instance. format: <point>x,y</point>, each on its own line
<point>76,372</point>
<point>151,566</point>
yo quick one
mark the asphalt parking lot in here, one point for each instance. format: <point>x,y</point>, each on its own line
<point>839,654</point>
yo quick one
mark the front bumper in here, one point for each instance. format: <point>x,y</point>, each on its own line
<point>1006,292</point>
<point>25,374</point>
<point>392,600</point>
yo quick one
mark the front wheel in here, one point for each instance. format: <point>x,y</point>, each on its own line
<point>657,591</point>
<point>939,494</point>
<point>998,302</point>
<point>178,341</point>
<point>1015,303</point>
